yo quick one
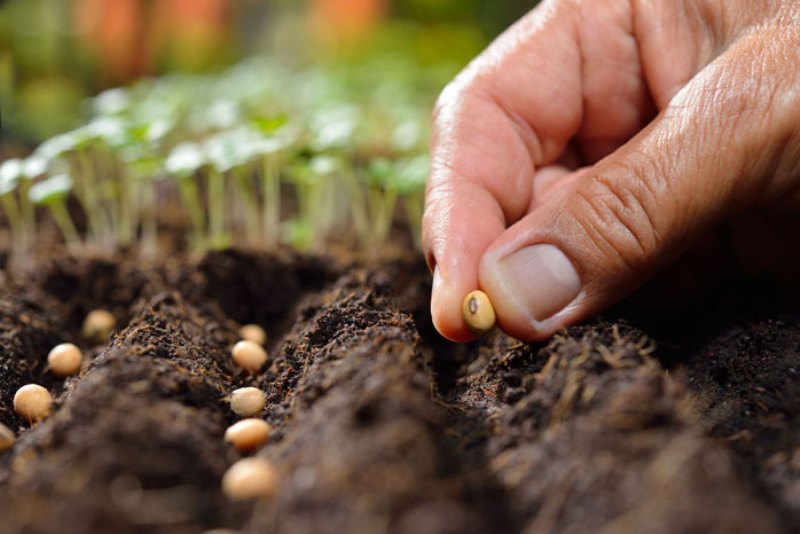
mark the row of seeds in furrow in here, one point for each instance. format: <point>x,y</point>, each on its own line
<point>247,478</point>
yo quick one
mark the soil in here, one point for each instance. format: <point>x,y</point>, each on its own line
<point>646,420</point>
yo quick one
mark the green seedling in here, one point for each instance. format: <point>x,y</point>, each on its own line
<point>184,163</point>
<point>382,191</point>
<point>347,141</point>
<point>271,152</point>
<point>11,173</point>
<point>410,177</point>
<point>312,181</point>
<point>71,150</point>
<point>112,102</point>
<point>53,193</point>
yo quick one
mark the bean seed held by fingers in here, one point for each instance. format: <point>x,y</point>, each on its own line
<point>478,312</point>
<point>33,402</point>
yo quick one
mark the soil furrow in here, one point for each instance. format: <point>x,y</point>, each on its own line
<point>379,425</point>
<point>137,445</point>
<point>366,448</point>
<point>29,327</point>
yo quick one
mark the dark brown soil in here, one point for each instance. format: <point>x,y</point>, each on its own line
<point>379,425</point>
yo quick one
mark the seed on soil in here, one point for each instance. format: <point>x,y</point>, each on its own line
<point>98,325</point>
<point>247,402</point>
<point>248,434</point>
<point>64,360</point>
<point>250,478</point>
<point>249,355</point>
<point>33,402</point>
<point>254,333</point>
<point>6,438</point>
<point>478,312</point>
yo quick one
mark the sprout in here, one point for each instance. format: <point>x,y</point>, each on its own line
<point>269,125</point>
<point>410,175</point>
<point>185,160</point>
<point>297,233</point>
<point>223,114</point>
<point>248,434</point>
<point>382,197</point>
<point>53,189</point>
<point>270,150</point>
<point>57,146</point>
<point>13,195</point>
<point>112,102</point>
<point>478,312</point>
<point>113,132</point>
<point>229,153</point>
<point>250,478</point>
<point>334,128</point>
<point>56,151</point>
<point>410,183</point>
<point>407,135</point>
<point>324,165</point>
<point>158,129</point>
<point>53,193</point>
<point>318,198</point>
<point>35,166</point>
<point>11,172</point>
<point>33,402</point>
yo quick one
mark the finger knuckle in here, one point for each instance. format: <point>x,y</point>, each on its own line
<point>618,216</point>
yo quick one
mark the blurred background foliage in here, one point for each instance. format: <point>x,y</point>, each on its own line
<point>56,53</point>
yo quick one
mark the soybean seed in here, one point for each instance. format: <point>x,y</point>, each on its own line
<point>33,402</point>
<point>247,402</point>
<point>64,360</point>
<point>250,478</point>
<point>254,333</point>
<point>249,355</point>
<point>98,325</point>
<point>248,434</point>
<point>478,312</point>
<point>6,437</point>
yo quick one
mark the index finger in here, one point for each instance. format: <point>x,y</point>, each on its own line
<point>486,149</point>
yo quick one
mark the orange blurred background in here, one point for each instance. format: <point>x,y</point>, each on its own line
<point>54,53</point>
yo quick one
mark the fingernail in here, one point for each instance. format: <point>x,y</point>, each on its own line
<point>539,280</point>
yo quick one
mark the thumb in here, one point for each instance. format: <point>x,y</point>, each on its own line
<point>723,145</point>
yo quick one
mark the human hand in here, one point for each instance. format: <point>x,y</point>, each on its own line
<point>595,141</point>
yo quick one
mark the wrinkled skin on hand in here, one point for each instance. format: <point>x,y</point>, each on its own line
<point>597,141</point>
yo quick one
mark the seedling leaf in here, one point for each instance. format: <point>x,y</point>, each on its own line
<point>51,190</point>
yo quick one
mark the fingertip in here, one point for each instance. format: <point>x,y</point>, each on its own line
<point>446,309</point>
